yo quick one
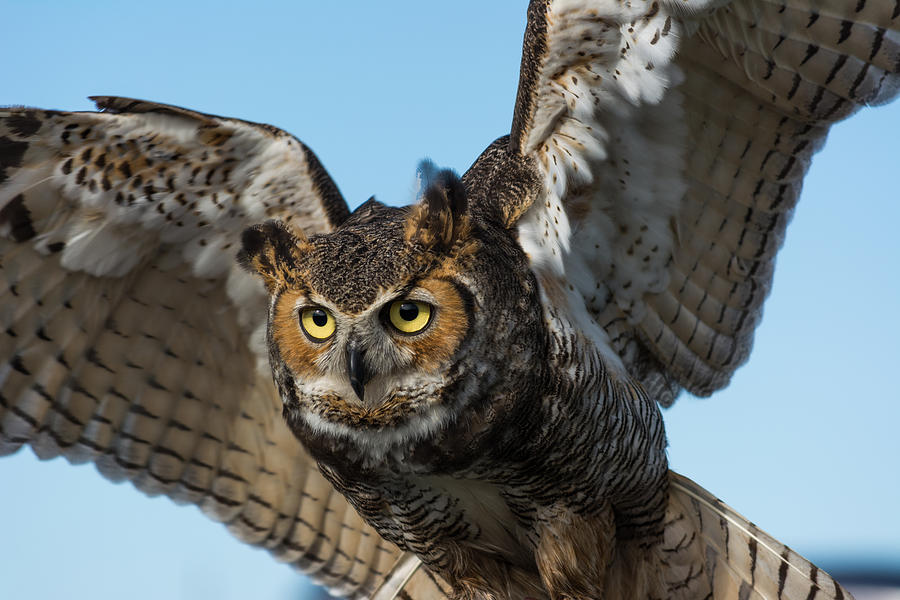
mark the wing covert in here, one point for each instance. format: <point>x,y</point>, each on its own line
<point>670,146</point>
<point>133,340</point>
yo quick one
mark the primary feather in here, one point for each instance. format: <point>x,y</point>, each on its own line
<point>716,549</point>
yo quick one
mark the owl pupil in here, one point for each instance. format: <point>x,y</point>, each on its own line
<point>408,311</point>
<point>319,317</point>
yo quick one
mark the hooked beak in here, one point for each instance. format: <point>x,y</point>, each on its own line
<point>356,370</point>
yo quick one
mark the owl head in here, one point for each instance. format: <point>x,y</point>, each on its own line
<point>402,325</point>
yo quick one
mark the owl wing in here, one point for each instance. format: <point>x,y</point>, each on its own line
<point>668,148</point>
<point>713,552</point>
<point>131,338</point>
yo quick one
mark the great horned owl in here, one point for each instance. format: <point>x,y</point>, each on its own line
<point>601,265</point>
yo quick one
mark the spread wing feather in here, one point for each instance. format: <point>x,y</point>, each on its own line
<point>713,552</point>
<point>131,338</point>
<point>670,143</point>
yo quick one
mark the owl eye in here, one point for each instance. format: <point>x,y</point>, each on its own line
<point>317,323</point>
<point>409,316</point>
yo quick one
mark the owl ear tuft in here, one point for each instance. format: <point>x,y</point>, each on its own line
<point>271,250</point>
<point>439,220</point>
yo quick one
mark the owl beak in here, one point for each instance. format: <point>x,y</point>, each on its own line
<point>356,370</point>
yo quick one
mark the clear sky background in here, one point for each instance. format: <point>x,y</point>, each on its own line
<point>805,442</point>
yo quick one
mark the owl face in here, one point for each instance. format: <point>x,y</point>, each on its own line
<point>375,330</point>
<point>406,329</point>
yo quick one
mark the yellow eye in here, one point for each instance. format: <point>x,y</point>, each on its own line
<point>409,316</point>
<point>317,323</point>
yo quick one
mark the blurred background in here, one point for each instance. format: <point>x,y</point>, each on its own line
<point>804,442</point>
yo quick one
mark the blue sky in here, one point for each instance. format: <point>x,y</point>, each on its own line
<point>804,442</point>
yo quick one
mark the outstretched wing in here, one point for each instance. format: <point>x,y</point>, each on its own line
<point>663,146</point>
<point>132,339</point>
<point>711,551</point>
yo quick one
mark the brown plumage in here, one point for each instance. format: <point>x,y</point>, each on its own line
<point>477,377</point>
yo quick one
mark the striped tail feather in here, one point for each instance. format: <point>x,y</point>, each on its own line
<point>713,552</point>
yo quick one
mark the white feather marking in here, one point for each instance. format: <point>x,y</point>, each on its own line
<point>568,316</point>
<point>102,249</point>
<point>484,505</point>
<point>378,443</point>
<point>608,137</point>
<point>248,294</point>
